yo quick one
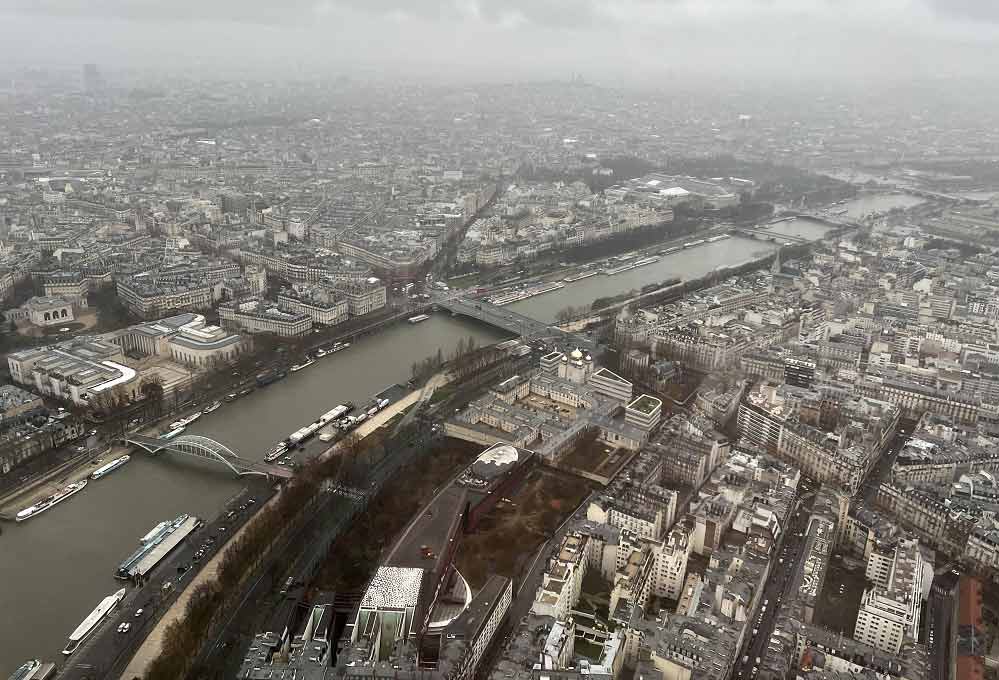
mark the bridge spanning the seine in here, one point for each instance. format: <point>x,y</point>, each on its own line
<point>514,323</point>
<point>210,450</point>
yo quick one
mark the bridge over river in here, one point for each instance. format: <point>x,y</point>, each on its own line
<point>208,449</point>
<point>516,324</point>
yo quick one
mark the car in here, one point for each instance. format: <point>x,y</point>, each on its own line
<point>125,627</point>
<point>138,612</point>
<point>251,502</point>
<point>222,530</point>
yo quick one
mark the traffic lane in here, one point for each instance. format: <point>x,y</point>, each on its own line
<point>774,593</point>
<point>107,647</point>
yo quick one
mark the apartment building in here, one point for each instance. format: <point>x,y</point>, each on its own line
<point>890,610</point>
<point>256,315</point>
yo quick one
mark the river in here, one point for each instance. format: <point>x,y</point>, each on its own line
<point>684,264</point>
<point>56,567</point>
<point>868,203</point>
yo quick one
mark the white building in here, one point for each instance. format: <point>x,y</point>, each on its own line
<point>889,611</point>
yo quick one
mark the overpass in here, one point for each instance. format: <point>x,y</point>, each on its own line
<point>510,321</point>
<point>208,449</point>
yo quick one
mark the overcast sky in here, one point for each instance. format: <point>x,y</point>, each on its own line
<point>516,39</point>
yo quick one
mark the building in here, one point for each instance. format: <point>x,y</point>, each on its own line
<point>15,402</point>
<point>644,412</point>
<point>184,338</point>
<point>77,371</point>
<point>363,297</point>
<point>890,610</point>
<point>829,434</point>
<point>256,315</point>
<point>147,298</point>
<point>44,311</point>
<point>324,304</point>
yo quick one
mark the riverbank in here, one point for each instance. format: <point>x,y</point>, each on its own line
<point>152,647</point>
<point>52,481</point>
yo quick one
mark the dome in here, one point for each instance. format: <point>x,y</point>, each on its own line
<point>576,354</point>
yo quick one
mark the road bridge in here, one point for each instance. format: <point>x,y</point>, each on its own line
<point>512,322</point>
<point>208,449</point>
<point>762,234</point>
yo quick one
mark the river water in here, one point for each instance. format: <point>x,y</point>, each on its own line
<point>56,567</point>
<point>683,264</point>
<point>868,203</point>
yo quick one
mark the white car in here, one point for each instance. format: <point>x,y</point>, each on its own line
<point>125,627</point>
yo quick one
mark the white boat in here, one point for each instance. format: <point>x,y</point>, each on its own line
<point>214,406</point>
<point>108,468</point>
<point>90,623</point>
<point>299,367</point>
<point>184,422</point>
<point>51,501</point>
<point>276,452</point>
<point>418,318</point>
<point>172,433</point>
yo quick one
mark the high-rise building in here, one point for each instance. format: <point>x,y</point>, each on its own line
<point>92,81</point>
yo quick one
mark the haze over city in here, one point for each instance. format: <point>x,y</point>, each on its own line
<point>639,42</point>
<point>513,340</point>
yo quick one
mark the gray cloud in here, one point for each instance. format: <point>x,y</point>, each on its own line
<point>976,10</point>
<point>858,39</point>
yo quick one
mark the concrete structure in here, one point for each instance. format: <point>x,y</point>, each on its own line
<point>644,412</point>
<point>890,610</point>
<point>78,371</point>
<point>256,315</point>
<point>184,338</point>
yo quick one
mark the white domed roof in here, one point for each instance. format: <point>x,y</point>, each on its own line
<point>576,354</point>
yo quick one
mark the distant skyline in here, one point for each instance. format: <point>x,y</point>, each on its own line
<point>630,40</point>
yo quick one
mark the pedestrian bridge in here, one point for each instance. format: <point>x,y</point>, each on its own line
<point>208,449</point>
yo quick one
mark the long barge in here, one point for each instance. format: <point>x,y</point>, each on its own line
<point>89,624</point>
<point>156,545</point>
<point>108,468</point>
<point>52,501</point>
<point>303,433</point>
<point>523,294</point>
<point>632,265</point>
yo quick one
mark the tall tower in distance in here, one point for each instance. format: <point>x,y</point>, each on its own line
<point>92,81</point>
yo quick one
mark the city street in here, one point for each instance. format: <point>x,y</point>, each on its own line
<point>107,649</point>
<point>775,589</point>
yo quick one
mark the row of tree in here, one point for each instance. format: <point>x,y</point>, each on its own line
<point>466,357</point>
<point>184,638</point>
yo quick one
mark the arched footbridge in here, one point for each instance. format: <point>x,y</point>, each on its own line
<point>208,449</point>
